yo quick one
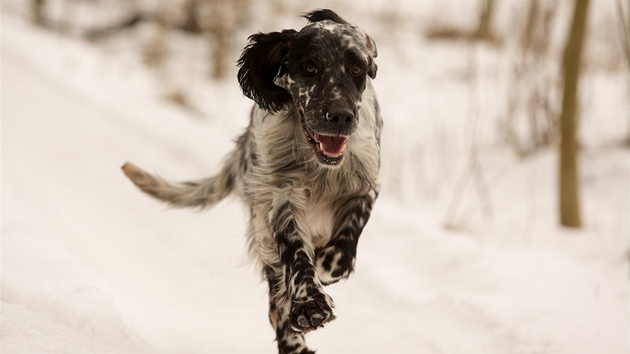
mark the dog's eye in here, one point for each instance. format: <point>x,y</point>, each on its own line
<point>356,70</point>
<point>310,69</point>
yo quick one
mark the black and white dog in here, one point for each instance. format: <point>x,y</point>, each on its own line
<point>307,165</point>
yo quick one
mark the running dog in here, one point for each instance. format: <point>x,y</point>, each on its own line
<point>306,167</point>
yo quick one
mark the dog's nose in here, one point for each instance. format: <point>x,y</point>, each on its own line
<point>341,115</point>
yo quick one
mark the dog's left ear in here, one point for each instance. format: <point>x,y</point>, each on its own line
<point>259,64</point>
<point>372,52</point>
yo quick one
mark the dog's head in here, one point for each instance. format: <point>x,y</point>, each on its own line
<point>322,71</point>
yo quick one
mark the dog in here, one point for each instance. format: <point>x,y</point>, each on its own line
<point>306,167</point>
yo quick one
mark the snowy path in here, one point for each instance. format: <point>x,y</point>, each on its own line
<point>65,214</point>
<point>89,265</point>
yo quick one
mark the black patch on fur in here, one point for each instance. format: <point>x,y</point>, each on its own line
<point>258,66</point>
<point>323,15</point>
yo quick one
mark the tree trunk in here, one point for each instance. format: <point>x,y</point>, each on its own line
<point>484,29</point>
<point>37,10</point>
<point>569,181</point>
<point>192,23</point>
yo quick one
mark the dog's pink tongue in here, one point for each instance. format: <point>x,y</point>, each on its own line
<point>331,145</point>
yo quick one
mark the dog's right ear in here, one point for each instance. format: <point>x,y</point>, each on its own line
<point>259,65</point>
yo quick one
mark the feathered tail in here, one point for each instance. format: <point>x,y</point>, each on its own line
<point>201,194</point>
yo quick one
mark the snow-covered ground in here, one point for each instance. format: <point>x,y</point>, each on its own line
<point>89,265</point>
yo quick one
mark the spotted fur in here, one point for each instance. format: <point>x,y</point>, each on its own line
<point>307,165</point>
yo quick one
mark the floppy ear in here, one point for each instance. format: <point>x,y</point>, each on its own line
<point>259,64</point>
<point>373,52</point>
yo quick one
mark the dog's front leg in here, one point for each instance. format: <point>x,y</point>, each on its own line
<point>336,259</point>
<point>310,306</point>
<point>289,342</point>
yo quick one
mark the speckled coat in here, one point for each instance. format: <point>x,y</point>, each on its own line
<point>306,167</point>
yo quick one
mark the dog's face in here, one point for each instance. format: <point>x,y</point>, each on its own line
<point>321,71</point>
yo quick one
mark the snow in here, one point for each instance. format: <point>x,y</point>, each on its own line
<point>89,265</point>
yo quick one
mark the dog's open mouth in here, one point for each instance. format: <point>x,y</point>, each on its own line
<point>328,148</point>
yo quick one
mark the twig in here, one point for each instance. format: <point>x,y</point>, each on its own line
<point>624,31</point>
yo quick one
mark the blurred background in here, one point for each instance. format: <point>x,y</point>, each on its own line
<point>467,87</point>
<point>505,202</point>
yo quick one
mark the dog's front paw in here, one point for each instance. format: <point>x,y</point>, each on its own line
<point>311,314</point>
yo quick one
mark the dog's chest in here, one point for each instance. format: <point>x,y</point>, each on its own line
<point>320,218</point>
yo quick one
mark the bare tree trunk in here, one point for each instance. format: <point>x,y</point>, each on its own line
<point>569,182</point>
<point>220,26</point>
<point>624,29</point>
<point>37,8</point>
<point>192,22</point>
<point>484,30</point>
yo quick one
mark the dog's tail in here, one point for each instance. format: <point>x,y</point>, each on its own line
<point>201,193</point>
